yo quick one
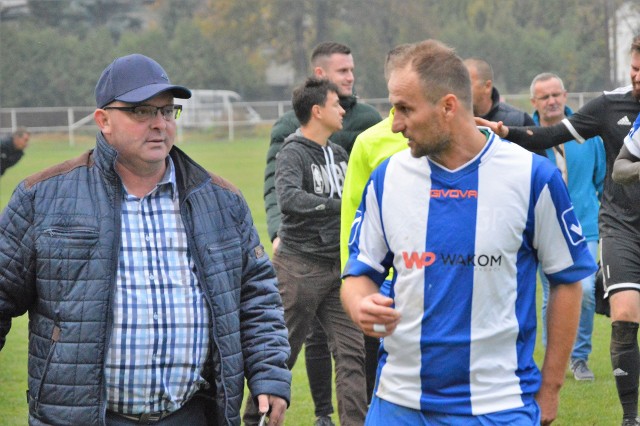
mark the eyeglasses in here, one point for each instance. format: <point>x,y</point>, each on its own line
<point>148,112</point>
<point>550,95</point>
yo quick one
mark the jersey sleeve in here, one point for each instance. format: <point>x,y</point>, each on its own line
<point>558,238</point>
<point>368,250</point>
<point>586,122</point>
<point>632,140</point>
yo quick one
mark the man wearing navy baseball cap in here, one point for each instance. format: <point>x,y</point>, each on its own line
<point>149,293</point>
<point>135,79</point>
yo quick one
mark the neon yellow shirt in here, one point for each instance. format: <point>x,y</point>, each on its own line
<point>371,148</point>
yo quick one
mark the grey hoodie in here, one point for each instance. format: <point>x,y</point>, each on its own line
<point>309,180</point>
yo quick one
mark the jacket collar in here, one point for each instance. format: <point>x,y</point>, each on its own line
<point>495,101</point>
<point>348,102</point>
<point>568,112</point>
<point>104,156</point>
<point>188,174</point>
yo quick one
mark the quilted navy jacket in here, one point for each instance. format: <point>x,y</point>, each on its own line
<point>58,260</point>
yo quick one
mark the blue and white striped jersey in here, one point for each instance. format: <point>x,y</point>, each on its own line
<point>464,246</point>
<point>632,140</point>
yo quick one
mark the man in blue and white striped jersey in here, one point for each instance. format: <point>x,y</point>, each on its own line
<point>463,218</point>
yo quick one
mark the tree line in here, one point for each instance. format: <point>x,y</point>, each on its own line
<point>54,55</point>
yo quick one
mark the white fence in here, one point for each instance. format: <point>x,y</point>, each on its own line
<point>239,114</point>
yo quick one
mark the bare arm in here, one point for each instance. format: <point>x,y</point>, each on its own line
<point>563,315</point>
<point>366,306</point>
<point>626,168</point>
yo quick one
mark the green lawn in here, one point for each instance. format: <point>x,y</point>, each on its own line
<point>242,162</point>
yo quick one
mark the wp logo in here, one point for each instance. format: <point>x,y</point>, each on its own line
<point>418,260</point>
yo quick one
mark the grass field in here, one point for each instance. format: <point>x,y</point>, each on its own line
<point>242,162</point>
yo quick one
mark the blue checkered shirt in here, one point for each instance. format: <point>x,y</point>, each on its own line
<point>160,335</point>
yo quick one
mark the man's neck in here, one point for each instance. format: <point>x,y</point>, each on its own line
<point>317,134</point>
<point>467,142</point>
<point>137,183</point>
<point>483,107</point>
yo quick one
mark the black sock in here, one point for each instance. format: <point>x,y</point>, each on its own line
<point>625,360</point>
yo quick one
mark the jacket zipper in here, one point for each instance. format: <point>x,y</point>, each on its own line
<point>55,336</point>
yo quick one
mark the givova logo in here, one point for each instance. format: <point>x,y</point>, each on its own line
<point>425,259</point>
<point>454,193</point>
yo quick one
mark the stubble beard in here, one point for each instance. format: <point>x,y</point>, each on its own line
<point>432,150</point>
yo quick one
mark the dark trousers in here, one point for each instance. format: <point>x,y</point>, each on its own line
<point>317,357</point>
<point>310,288</point>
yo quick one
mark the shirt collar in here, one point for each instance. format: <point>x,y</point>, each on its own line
<point>169,178</point>
<point>167,183</point>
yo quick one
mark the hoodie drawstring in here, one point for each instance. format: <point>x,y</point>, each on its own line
<point>331,171</point>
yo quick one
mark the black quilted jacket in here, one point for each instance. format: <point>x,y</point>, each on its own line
<point>58,257</point>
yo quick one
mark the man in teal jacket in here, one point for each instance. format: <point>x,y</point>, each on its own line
<point>583,169</point>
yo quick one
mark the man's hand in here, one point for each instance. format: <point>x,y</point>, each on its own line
<point>369,310</point>
<point>275,244</point>
<point>376,317</point>
<point>275,406</point>
<point>548,398</point>
<point>496,127</point>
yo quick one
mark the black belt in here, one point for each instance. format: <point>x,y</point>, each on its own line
<point>145,418</point>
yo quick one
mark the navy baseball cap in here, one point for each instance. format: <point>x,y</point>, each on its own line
<point>134,79</point>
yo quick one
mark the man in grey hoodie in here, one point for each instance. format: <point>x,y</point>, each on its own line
<point>309,176</point>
